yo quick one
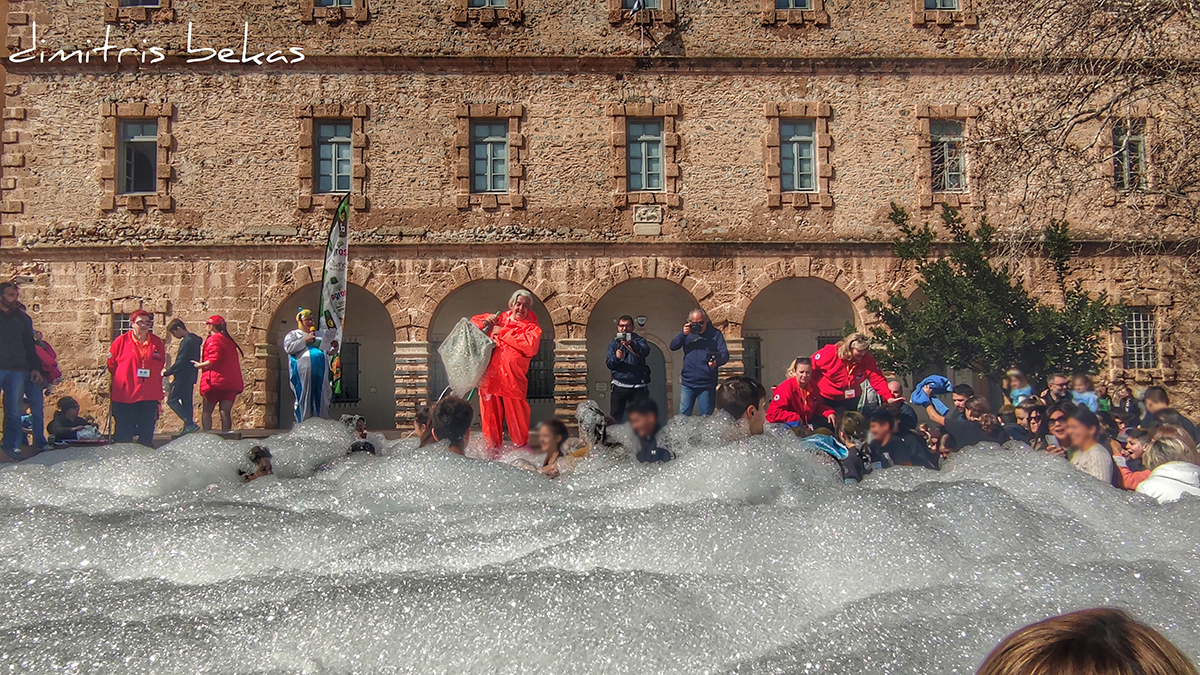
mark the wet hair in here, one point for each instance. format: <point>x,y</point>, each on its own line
<point>642,406</point>
<point>963,389</point>
<point>422,420</point>
<point>175,324</point>
<point>1100,641</point>
<point>67,403</point>
<point>362,446</point>
<point>977,406</point>
<point>422,416</point>
<point>738,393</point>
<point>880,416</point>
<point>796,363</point>
<point>1165,449</point>
<point>259,453</point>
<point>851,342</point>
<point>1156,394</point>
<point>558,428</point>
<point>451,419</point>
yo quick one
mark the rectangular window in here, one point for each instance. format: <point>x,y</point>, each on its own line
<point>636,5</point>
<point>485,4</point>
<point>1141,342</point>
<point>946,5</point>
<point>797,155</point>
<point>794,4</point>
<point>1129,155</point>
<point>752,356</point>
<point>348,358</point>
<point>333,152</point>
<point>489,155</point>
<point>335,3</point>
<point>138,156</point>
<point>645,154</point>
<point>946,152</point>
<point>541,372</point>
<point>120,325</point>
<point>140,3</point>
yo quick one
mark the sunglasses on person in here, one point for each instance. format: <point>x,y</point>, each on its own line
<point>1061,419</point>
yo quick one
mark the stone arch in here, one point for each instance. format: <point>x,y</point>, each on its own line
<point>643,268</point>
<point>792,317</point>
<point>836,272</point>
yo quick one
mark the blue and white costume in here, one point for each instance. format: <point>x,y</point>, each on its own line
<point>308,373</point>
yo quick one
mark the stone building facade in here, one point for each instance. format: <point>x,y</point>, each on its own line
<point>231,218</point>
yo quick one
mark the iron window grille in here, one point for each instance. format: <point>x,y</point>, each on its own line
<point>752,356</point>
<point>120,325</point>
<point>1129,156</point>
<point>349,394</point>
<point>541,374</point>
<point>1140,340</point>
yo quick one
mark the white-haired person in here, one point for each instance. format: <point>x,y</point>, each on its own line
<point>1173,470</point>
<point>505,384</point>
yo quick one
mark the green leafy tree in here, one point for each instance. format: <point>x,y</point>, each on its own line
<point>975,315</point>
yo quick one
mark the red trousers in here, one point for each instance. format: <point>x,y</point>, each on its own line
<point>495,410</point>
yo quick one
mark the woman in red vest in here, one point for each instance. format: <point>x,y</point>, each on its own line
<point>220,373</point>
<point>795,401</point>
<point>840,369</point>
<point>136,360</point>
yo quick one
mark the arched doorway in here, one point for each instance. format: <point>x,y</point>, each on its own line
<point>480,297</point>
<point>368,357</point>
<point>664,305</point>
<point>792,317</point>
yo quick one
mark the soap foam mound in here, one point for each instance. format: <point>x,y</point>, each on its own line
<point>744,555</point>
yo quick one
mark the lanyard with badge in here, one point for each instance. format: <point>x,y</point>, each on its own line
<point>851,393</point>
<point>143,352</point>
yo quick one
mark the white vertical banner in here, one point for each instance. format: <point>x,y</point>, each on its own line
<point>332,310</point>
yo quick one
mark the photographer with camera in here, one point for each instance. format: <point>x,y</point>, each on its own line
<point>627,360</point>
<point>704,352</point>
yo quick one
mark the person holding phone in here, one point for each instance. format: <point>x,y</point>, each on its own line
<point>136,360</point>
<point>627,360</point>
<point>704,352</point>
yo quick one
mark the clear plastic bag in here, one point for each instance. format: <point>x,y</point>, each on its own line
<point>465,352</point>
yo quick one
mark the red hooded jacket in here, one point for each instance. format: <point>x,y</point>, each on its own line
<point>840,381</point>
<point>49,361</point>
<point>792,403</point>
<point>517,342</point>
<point>126,357</point>
<point>224,373</point>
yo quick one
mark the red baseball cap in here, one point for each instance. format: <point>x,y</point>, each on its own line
<point>215,320</point>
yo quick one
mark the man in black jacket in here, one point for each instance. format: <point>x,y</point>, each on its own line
<point>627,360</point>
<point>183,375</point>
<point>19,364</point>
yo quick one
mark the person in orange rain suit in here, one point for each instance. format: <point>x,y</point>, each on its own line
<point>506,382</point>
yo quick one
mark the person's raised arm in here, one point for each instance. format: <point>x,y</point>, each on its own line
<point>934,415</point>
<point>678,342</point>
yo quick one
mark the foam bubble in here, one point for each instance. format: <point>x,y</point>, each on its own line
<point>742,555</point>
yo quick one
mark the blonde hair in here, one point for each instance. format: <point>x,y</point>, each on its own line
<point>1168,449</point>
<point>1176,433</point>
<point>852,341</point>
<point>1090,642</point>
<point>796,362</point>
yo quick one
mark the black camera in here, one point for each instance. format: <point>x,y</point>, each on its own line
<point>696,327</point>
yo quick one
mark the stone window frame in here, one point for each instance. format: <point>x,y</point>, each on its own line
<point>115,13</point>
<point>667,14</point>
<point>357,113</point>
<point>817,16</point>
<point>359,13</point>
<point>965,16</point>
<point>1158,304</point>
<point>814,110</point>
<point>669,112</point>
<point>1143,196</point>
<point>464,198</point>
<point>461,13</point>
<point>965,113</point>
<point>111,115</point>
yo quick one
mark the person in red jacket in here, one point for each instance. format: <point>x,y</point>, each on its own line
<point>136,360</point>
<point>220,373</point>
<point>506,382</point>
<point>840,369</point>
<point>795,401</point>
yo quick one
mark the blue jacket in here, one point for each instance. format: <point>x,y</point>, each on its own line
<point>631,368</point>
<point>940,386</point>
<point>696,349</point>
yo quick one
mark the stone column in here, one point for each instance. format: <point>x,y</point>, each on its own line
<point>570,377</point>
<point>264,401</point>
<point>735,365</point>
<point>412,380</point>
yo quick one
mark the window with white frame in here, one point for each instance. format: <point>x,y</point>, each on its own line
<point>637,5</point>
<point>138,156</point>
<point>948,164</point>
<point>333,155</point>
<point>489,155</point>
<point>1140,340</point>
<point>645,154</point>
<point>797,155</point>
<point>944,5</point>
<point>120,325</point>
<point>1129,154</point>
<point>805,5</point>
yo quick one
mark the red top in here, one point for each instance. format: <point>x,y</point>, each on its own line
<point>224,372</point>
<point>49,361</point>
<point>1131,479</point>
<point>517,342</point>
<point>840,381</point>
<point>792,403</point>
<point>126,357</point>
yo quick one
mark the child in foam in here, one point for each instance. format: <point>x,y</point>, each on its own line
<point>745,399</point>
<point>220,373</point>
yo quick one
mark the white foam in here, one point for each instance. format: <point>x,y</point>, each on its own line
<point>746,555</point>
